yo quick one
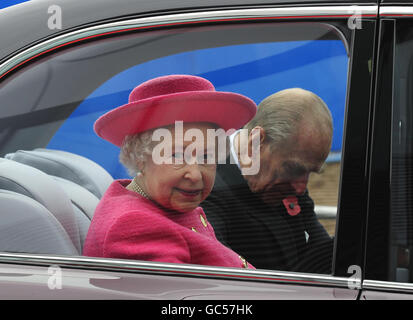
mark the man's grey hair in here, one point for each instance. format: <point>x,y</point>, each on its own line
<point>281,114</point>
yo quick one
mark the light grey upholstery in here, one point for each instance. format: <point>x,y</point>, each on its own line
<point>84,204</point>
<point>26,226</point>
<point>80,197</point>
<point>66,165</point>
<point>41,187</point>
<point>77,182</point>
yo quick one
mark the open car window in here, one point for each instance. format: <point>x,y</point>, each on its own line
<point>48,109</point>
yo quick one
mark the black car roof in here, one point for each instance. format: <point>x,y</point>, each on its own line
<point>26,23</point>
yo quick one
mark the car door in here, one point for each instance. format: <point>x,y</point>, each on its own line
<point>389,235</point>
<point>53,89</point>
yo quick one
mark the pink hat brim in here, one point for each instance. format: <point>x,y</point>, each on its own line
<point>226,109</point>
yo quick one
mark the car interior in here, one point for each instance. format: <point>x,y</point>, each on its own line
<point>56,193</point>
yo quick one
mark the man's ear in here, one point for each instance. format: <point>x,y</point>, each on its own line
<point>256,133</point>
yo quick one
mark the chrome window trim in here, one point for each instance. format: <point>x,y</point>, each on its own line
<point>387,286</point>
<point>396,11</point>
<point>171,269</point>
<point>184,18</point>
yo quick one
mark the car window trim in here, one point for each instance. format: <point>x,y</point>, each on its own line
<point>396,11</point>
<point>173,269</point>
<point>387,286</point>
<point>180,19</point>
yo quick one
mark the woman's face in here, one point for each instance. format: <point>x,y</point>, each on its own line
<point>184,181</point>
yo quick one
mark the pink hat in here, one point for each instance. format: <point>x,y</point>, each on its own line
<point>162,101</point>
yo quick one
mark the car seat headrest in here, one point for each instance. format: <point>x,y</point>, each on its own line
<point>37,185</point>
<point>66,165</point>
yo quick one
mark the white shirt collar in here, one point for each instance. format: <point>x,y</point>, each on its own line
<point>233,152</point>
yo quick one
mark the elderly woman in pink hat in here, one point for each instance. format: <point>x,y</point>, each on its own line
<point>156,216</point>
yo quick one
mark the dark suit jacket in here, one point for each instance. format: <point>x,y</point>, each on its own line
<point>267,237</point>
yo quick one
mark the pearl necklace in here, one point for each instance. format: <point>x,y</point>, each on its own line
<point>137,188</point>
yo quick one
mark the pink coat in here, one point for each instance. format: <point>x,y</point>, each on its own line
<point>128,226</point>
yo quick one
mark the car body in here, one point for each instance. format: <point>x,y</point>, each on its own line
<point>70,56</point>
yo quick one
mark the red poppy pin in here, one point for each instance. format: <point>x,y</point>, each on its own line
<point>292,206</point>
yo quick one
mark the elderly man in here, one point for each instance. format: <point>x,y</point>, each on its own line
<point>268,217</point>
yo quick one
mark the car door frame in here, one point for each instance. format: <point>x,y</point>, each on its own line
<point>375,285</point>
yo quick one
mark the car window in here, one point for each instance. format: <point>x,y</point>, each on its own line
<point>52,103</point>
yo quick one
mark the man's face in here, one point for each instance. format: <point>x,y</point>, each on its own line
<point>285,168</point>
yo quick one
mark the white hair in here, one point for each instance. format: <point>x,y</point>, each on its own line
<point>134,151</point>
<point>281,114</point>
